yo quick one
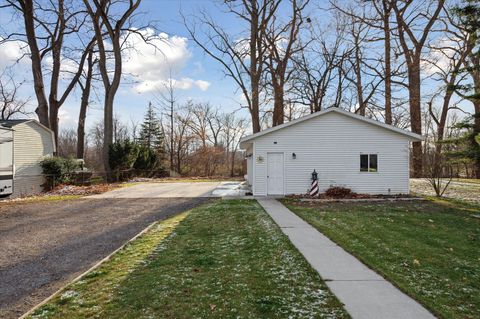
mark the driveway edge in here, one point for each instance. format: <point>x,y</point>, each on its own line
<point>98,264</point>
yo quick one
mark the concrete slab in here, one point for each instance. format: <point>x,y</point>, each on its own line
<point>366,294</point>
<point>379,300</point>
<point>163,190</point>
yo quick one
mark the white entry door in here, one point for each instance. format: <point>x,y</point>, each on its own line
<point>275,174</point>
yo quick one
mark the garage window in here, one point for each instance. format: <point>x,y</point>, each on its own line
<point>368,162</point>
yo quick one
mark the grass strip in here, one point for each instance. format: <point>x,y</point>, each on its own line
<point>226,259</point>
<point>429,249</point>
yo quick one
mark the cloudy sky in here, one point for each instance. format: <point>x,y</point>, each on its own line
<point>195,75</point>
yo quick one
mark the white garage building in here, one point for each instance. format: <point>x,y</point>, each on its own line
<point>344,148</point>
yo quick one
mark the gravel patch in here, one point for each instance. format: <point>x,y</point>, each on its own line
<point>44,245</point>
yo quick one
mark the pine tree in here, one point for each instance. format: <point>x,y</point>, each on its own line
<point>151,135</point>
<point>468,15</point>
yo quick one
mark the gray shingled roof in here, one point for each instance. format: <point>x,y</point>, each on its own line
<point>12,123</point>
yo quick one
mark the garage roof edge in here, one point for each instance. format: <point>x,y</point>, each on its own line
<point>412,135</point>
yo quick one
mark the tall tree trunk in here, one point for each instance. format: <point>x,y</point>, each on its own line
<point>358,74</point>
<point>84,106</point>
<point>55,77</point>
<point>54,119</point>
<point>232,168</point>
<point>412,50</point>
<point>81,125</point>
<point>255,68</point>
<point>255,110</point>
<point>172,167</point>
<point>108,129</point>
<point>442,122</point>
<point>415,114</point>
<point>179,164</point>
<point>476,131</point>
<point>39,87</point>
<point>278,110</point>
<point>388,65</point>
<point>101,19</point>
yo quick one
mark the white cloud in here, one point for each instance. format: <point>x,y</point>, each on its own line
<point>66,118</point>
<point>162,84</point>
<point>202,85</point>
<point>11,52</point>
<point>440,57</point>
<point>153,63</point>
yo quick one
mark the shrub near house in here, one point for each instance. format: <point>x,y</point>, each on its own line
<point>58,170</point>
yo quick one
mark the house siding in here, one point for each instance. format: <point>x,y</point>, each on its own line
<point>249,155</point>
<point>331,144</point>
<point>32,144</point>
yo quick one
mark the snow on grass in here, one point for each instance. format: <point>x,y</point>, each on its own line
<point>429,249</point>
<point>227,259</point>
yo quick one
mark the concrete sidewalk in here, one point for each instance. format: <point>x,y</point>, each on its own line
<point>364,293</point>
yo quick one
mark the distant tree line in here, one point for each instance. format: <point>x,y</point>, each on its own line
<point>204,142</point>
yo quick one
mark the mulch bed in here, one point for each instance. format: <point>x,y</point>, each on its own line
<point>353,197</point>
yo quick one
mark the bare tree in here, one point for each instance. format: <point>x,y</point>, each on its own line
<point>112,24</point>
<point>448,57</point>
<point>370,67</point>
<point>358,70</point>
<point>67,141</point>
<point>412,40</point>
<point>183,137</point>
<point>46,27</point>
<point>317,65</point>
<point>241,56</point>
<point>167,98</point>
<point>282,41</point>
<point>384,10</point>
<point>234,129</point>
<point>11,105</point>
<point>437,174</point>
<point>86,88</point>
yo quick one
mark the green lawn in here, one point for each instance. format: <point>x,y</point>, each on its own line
<point>467,180</point>
<point>225,259</point>
<point>430,249</point>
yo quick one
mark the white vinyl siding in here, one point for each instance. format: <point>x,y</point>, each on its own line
<point>32,143</point>
<point>331,144</point>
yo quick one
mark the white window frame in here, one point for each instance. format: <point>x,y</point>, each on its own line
<point>368,163</point>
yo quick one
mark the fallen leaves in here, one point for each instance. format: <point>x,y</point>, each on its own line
<point>82,190</point>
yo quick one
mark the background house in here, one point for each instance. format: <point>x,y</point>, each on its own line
<point>6,161</point>
<point>32,142</point>
<point>345,149</point>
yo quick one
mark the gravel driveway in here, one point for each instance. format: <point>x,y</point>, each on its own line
<point>44,245</point>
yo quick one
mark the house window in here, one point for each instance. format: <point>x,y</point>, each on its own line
<point>368,162</point>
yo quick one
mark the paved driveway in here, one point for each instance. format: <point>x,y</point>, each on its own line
<point>178,189</point>
<point>163,190</point>
<point>45,245</point>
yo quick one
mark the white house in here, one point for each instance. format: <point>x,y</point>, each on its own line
<point>344,148</point>
<point>32,142</point>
